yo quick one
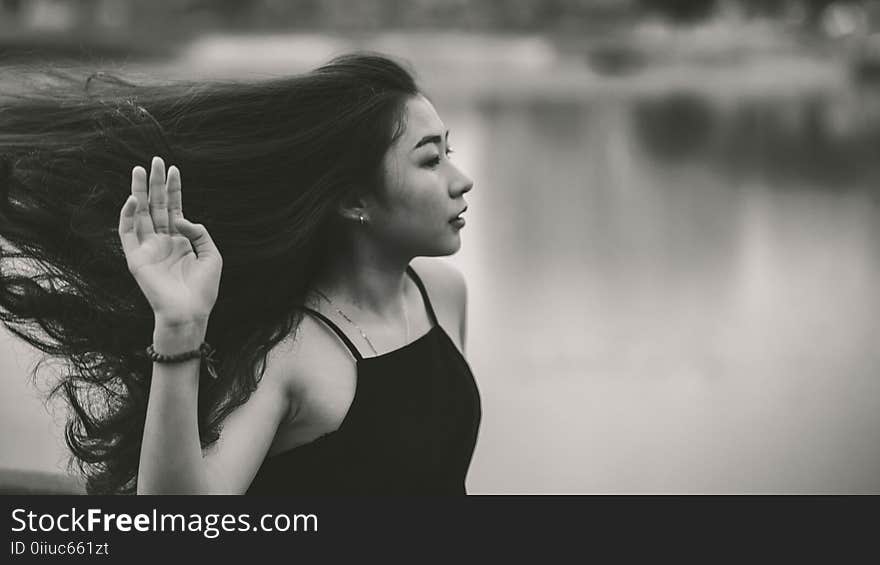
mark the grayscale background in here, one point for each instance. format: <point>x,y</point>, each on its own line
<point>673,243</point>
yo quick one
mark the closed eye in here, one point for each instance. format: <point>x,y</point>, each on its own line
<point>436,160</point>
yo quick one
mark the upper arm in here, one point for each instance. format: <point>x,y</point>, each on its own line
<point>233,460</point>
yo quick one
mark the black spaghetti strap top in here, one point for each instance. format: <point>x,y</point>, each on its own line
<point>411,428</point>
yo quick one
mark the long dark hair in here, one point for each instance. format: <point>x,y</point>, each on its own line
<point>264,166</point>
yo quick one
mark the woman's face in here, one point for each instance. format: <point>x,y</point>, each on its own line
<point>423,190</point>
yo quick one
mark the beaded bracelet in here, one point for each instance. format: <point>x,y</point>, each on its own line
<point>205,351</point>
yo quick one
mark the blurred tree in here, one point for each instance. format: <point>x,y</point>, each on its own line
<point>175,17</point>
<point>816,7</point>
<point>230,12</point>
<point>694,10</point>
<point>680,10</point>
<point>11,6</point>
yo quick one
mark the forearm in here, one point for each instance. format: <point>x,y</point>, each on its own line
<point>171,459</point>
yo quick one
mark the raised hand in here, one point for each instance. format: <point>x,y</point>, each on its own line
<point>175,262</point>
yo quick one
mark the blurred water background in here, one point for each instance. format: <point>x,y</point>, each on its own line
<point>673,244</point>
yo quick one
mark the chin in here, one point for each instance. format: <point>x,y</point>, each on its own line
<point>447,246</point>
<point>454,246</point>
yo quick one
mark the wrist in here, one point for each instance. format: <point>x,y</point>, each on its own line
<point>174,338</point>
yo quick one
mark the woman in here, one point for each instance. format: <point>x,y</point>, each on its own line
<point>335,360</point>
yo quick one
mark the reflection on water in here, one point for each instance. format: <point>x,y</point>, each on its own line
<point>675,293</point>
<point>672,292</point>
<point>814,141</point>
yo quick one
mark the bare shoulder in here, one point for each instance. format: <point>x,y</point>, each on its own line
<point>441,276</point>
<point>447,289</point>
<point>311,353</point>
<point>445,283</point>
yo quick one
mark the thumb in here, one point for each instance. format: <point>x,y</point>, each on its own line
<point>199,237</point>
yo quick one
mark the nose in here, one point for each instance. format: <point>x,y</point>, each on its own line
<point>461,184</point>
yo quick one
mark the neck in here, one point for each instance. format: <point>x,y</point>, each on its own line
<point>363,275</point>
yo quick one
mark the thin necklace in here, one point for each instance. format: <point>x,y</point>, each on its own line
<point>363,334</point>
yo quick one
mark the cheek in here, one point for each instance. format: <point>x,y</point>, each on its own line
<point>417,218</point>
<point>419,198</point>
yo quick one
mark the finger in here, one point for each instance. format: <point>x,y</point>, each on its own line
<point>158,196</point>
<point>175,199</point>
<point>127,233</point>
<point>143,222</point>
<point>199,238</point>
<point>181,244</point>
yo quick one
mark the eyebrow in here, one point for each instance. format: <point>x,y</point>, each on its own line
<point>430,139</point>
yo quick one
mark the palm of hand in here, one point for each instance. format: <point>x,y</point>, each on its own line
<point>175,262</point>
<point>172,274</point>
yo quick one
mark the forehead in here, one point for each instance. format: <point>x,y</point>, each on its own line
<point>421,119</point>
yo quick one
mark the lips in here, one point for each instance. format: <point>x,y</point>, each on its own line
<point>456,217</point>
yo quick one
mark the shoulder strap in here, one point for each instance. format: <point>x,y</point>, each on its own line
<point>420,284</point>
<point>339,332</point>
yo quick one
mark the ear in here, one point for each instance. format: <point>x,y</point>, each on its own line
<point>355,207</point>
